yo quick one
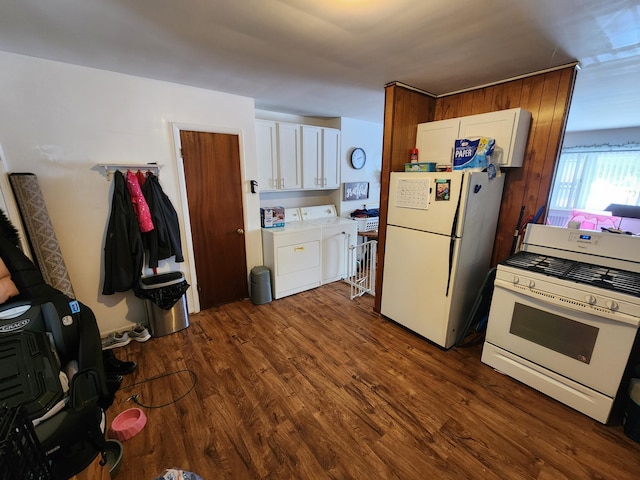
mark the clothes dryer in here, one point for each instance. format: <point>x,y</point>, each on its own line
<point>293,254</point>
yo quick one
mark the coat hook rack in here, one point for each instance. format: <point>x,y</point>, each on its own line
<point>109,168</point>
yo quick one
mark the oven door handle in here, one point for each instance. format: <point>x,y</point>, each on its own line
<point>566,303</point>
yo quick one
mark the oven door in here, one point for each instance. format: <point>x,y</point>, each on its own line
<point>582,346</point>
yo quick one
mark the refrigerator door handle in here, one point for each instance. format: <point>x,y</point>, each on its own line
<point>456,215</point>
<point>451,250</point>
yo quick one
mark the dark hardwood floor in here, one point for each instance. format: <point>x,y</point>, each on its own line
<point>316,386</point>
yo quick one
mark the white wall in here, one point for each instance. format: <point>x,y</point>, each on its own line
<point>58,121</point>
<point>618,136</point>
<point>368,136</point>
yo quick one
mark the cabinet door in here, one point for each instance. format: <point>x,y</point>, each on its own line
<point>330,158</point>
<point>496,125</point>
<point>311,157</point>
<point>435,141</point>
<point>267,154</point>
<point>289,161</point>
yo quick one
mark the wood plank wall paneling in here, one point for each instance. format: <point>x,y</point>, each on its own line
<point>404,110</point>
<point>547,96</point>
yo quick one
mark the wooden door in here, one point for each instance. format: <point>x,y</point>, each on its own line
<point>214,193</point>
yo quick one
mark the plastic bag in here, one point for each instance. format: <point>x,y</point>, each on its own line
<point>177,474</point>
<point>165,297</point>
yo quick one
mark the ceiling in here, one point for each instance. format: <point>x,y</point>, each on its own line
<point>334,57</point>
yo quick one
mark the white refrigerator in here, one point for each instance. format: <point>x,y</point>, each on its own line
<point>441,228</point>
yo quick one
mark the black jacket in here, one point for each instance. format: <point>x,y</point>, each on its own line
<point>123,250</point>
<point>164,240</point>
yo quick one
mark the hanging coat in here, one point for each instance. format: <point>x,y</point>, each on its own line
<point>123,249</point>
<point>164,240</point>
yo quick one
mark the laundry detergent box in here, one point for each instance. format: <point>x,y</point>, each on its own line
<point>472,153</point>
<point>271,217</point>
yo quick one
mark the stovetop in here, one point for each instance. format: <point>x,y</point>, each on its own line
<point>612,279</point>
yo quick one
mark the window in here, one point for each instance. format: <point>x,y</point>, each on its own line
<point>592,178</point>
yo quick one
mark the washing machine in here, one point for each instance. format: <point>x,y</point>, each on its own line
<point>339,236</point>
<point>293,253</point>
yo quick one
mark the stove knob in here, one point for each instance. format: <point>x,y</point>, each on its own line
<point>590,299</point>
<point>516,280</point>
<point>532,284</point>
<point>611,305</point>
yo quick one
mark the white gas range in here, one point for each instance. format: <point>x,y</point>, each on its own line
<point>565,313</point>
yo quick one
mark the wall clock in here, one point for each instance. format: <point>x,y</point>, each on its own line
<point>358,158</point>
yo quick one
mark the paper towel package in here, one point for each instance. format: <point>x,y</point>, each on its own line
<point>271,217</point>
<point>471,154</point>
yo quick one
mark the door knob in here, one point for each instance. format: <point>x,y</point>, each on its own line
<point>240,231</point>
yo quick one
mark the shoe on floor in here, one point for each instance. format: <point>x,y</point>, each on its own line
<point>139,334</point>
<point>114,340</point>
<point>114,366</point>
<point>113,378</point>
<point>113,385</point>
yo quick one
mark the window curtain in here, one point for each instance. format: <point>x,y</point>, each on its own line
<point>591,178</point>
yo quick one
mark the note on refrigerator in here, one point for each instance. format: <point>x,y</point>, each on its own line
<point>413,193</point>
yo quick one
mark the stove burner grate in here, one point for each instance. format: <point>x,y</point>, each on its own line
<point>608,278</point>
<point>556,267</point>
<point>612,279</point>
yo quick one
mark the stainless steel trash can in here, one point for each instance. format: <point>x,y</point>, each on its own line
<point>261,285</point>
<point>165,302</point>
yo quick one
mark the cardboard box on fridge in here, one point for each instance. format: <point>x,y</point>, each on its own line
<point>271,217</point>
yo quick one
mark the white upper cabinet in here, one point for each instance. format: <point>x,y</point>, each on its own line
<point>267,154</point>
<point>434,141</point>
<point>292,156</point>
<point>320,158</point>
<point>509,128</point>
<point>311,157</point>
<point>289,156</point>
<point>330,158</point>
<point>279,156</point>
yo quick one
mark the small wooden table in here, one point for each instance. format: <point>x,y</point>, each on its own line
<point>373,235</point>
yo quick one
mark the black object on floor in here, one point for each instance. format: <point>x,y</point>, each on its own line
<point>477,320</point>
<point>113,385</point>
<point>21,454</point>
<point>114,365</point>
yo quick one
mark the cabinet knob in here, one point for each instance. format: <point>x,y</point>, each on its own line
<point>240,231</point>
